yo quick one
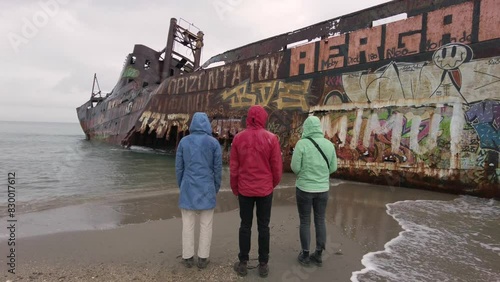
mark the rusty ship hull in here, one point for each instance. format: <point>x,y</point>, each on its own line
<point>409,102</point>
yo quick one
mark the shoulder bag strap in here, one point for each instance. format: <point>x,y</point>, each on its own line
<point>319,149</point>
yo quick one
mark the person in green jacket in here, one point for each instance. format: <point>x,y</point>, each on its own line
<point>313,160</point>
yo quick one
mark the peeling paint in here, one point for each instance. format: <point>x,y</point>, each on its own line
<point>413,102</point>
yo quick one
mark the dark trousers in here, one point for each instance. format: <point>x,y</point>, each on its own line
<point>263,217</point>
<point>316,201</point>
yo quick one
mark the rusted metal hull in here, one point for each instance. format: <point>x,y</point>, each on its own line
<point>410,103</point>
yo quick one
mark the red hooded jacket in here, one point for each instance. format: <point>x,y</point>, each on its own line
<point>255,164</point>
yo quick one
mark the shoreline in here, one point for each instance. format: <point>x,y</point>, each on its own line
<point>137,207</point>
<point>151,252</point>
<point>145,244</point>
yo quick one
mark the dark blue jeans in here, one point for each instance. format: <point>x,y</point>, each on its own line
<point>263,205</point>
<point>317,202</point>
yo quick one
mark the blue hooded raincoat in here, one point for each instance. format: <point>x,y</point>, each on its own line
<point>198,166</point>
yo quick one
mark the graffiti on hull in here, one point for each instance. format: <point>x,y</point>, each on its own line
<point>471,82</point>
<point>485,118</point>
<point>444,113</point>
<point>278,94</point>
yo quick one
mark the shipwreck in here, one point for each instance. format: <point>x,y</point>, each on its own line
<point>408,91</point>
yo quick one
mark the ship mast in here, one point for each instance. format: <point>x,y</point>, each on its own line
<point>176,63</point>
<point>95,97</point>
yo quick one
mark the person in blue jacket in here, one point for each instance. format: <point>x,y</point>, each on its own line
<point>198,168</point>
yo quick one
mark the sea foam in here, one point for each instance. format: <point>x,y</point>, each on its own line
<point>456,240</point>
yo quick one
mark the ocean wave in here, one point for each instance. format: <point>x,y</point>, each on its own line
<point>456,240</point>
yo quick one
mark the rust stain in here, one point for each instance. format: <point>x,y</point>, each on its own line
<point>408,103</point>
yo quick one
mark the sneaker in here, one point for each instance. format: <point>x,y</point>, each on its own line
<point>202,263</point>
<point>188,262</point>
<point>304,258</point>
<point>241,268</point>
<point>316,259</point>
<point>263,269</point>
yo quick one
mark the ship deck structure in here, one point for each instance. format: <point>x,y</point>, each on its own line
<point>408,91</point>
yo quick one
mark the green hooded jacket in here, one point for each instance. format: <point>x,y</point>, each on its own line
<point>310,167</point>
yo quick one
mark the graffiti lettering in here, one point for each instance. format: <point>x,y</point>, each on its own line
<point>289,95</point>
<point>258,94</point>
<point>485,118</point>
<point>239,96</point>
<point>330,64</point>
<point>374,126</point>
<point>394,53</point>
<point>275,64</point>
<point>385,134</point>
<point>403,37</point>
<point>160,122</point>
<point>354,60</point>
<point>225,71</point>
<point>200,81</point>
<point>171,87</point>
<point>187,103</point>
<point>434,45</point>
<point>411,67</point>
<point>332,52</point>
<point>145,120</point>
<point>274,127</point>
<point>292,95</point>
<point>180,84</point>
<point>264,92</point>
<point>264,69</point>
<point>302,59</point>
<point>452,24</point>
<point>256,70</point>
<point>226,128</point>
<point>333,80</point>
<point>192,84</point>
<point>364,45</point>
<point>236,75</point>
<point>252,65</point>
<point>448,78</point>
<point>213,79</point>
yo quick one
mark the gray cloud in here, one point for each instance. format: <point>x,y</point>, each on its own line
<point>51,48</point>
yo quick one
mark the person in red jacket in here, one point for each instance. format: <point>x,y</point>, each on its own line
<point>256,167</point>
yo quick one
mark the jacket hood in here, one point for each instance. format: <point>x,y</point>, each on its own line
<point>200,123</point>
<point>257,117</point>
<point>312,128</point>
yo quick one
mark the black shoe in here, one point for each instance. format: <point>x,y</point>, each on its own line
<point>202,263</point>
<point>241,268</point>
<point>188,262</point>
<point>263,269</point>
<point>304,258</point>
<point>316,259</point>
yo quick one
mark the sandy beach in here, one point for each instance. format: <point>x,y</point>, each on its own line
<point>146,245</point>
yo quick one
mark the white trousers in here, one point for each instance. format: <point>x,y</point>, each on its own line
<point>188,222</point>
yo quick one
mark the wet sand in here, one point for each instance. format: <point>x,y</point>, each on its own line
<point>146,243</point>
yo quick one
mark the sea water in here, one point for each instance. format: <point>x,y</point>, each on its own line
<point>67,183</point>
<point>55,166</point>
<point>63,183</point>
<point>457,240</point>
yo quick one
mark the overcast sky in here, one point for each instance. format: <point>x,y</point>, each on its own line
<point>52,48</point>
